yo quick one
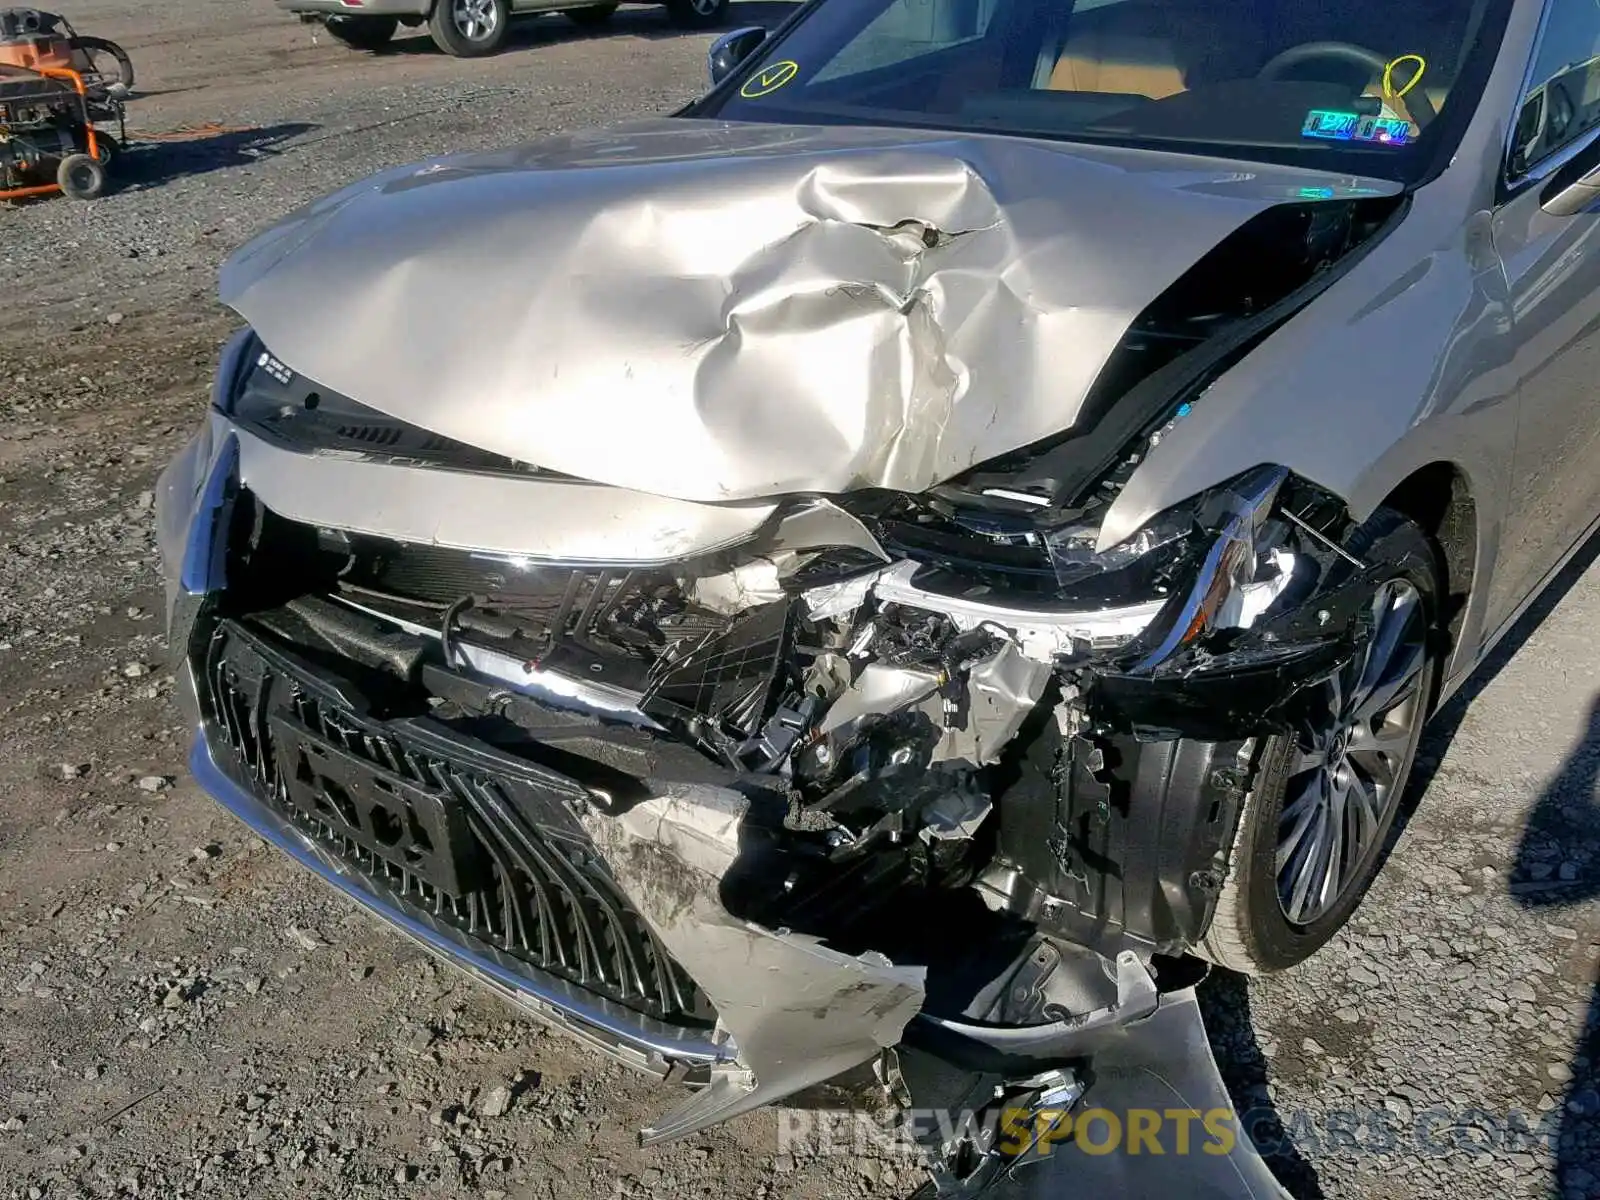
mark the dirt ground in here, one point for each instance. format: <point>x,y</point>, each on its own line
<point>182,1013</point>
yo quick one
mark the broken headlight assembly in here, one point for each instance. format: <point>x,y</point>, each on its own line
<point>1213,563</point>
<point>1243,571</point>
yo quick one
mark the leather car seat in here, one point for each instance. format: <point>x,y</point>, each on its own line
<point>1126,47</point>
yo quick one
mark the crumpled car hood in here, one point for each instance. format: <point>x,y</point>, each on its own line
<point>714,311</point>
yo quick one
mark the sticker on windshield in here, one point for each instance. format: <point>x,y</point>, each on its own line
<point>769,79</point>
<point>1335,126</point>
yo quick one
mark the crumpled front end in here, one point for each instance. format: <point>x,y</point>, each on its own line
<point>875,774</point>
<point>750,791</point>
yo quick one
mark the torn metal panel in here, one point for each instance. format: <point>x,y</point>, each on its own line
<point>839,599</point>
<point>750,584</point>
<point>798,1012</point>
<point>996,695</point>
<point>1137,998</point>
<point>1162,1064</point>
<point>750,304</point>
<point>530,519</point>
<point>1003,691</point>
<point>879,689</point>
<point>816,523</point>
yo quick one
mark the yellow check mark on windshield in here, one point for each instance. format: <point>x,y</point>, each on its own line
<point>769,79</point>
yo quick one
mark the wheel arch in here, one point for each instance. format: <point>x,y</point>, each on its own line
<point>1439,497</point>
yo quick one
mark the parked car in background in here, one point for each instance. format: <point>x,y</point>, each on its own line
<point>468,28</point>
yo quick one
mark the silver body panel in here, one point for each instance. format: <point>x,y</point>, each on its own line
<point>575,522</point>
<point>368,8</point>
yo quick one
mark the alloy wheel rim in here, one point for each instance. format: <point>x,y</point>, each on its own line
<point>705,7</point>
<point>475,19</point>
<point>1352,759</point>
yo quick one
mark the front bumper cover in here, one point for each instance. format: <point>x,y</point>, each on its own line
<point>621,1034</point>
<point>831,1011</point>
<point>367,8</point>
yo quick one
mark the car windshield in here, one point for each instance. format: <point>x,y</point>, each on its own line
<point>1362,85</point>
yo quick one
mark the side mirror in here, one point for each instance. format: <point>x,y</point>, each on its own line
<point>731,49</point>
<point>1575,188</point>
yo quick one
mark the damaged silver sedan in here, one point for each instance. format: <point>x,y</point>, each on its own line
<point>913,550</point>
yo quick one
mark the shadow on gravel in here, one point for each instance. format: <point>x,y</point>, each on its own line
<point>151,160</point>
<point>1441,730</point>
<point>531,32</point>
<point>1565,818</point>
<point>1225,1004</point>
<point>1556,869</point>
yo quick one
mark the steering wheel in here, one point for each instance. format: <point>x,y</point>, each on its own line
<point>1281,66</point>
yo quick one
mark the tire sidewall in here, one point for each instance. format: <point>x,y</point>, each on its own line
<point>442,27</point>
<point>1272,941</point>
<point>67,177</point>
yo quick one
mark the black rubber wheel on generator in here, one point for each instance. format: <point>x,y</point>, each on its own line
<point>591,16</point>
<point>697,14</point>
<point>469,28</point>
<point>81,177</point>
<point>363,33</point>
<point>1321,800</point>
<point>99,56</point>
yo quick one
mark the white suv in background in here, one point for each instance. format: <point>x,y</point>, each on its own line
<point>467,28</point>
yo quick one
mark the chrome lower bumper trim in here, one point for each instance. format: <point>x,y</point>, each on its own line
<point>628,1037</point>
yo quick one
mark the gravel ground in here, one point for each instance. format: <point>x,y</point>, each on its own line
<point>186,1014</point>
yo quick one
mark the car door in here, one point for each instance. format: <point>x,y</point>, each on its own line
<point>1552,266</point>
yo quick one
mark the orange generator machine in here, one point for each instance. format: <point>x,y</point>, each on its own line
<point>56,88</point>
<point>36,40</point>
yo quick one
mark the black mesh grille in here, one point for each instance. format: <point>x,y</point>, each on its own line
<point>455,828</point>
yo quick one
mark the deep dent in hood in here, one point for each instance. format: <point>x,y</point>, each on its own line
<point>714,311</point>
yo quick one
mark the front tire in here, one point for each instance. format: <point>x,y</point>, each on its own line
<point>1321,801</point>
<point>469,28</point>
<point>697,14</point>
<point>363,33</point>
